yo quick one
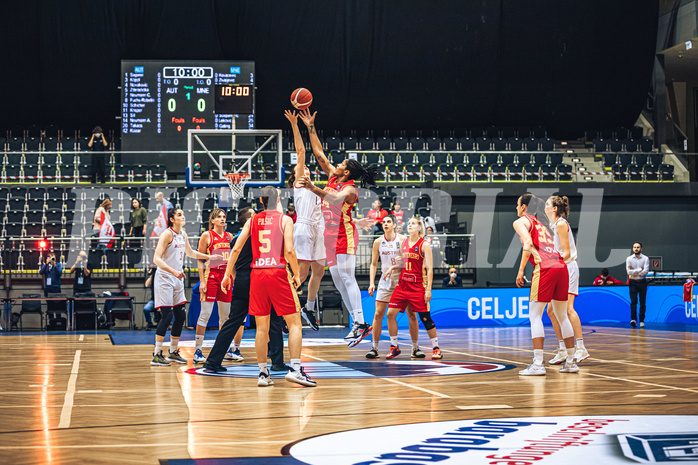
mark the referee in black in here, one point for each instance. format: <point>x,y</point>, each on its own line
<point>239,308</point>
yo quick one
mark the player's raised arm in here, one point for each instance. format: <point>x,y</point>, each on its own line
<point>348,194</point>
<point>298,142</point>
<point>309,121</point>
<point>290,251</point>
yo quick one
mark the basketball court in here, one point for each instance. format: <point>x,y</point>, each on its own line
<point>94,398</point>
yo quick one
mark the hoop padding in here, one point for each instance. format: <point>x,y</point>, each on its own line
<point>236,182</point>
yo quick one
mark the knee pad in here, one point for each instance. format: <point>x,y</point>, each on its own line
<point>535,315</point>
<point>179,316</point>
<point>427,321</point>
<point>206,310</point>
<point>223,312</point>
<point>560,309</point>
<point>165,318</point>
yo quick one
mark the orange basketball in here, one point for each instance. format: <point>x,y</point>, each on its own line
<point>301,98</point>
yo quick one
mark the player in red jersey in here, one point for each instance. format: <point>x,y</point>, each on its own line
<point>550,281</point>
<point>216,241</point>
<point>341,238</point>
<point>271,283</point>
<point>411,289</point>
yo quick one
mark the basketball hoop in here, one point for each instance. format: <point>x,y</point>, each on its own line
<point>236,182</point>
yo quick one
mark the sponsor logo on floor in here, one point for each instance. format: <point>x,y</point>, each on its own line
<point>374,369</point>
<point>521,441</point>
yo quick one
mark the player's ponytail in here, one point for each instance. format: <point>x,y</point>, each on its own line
<point>366,176</point>
<point>562,204</point>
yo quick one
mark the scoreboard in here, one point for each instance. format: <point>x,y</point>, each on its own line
<point>161,100</point>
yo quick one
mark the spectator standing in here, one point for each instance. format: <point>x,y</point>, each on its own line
<point>161,200</point>
<point>376,215</point>
<point>452,280</point>
<point>398,212</point>
<point>139,219</point>
<point>51,272</point>
<point>82,269</point>
<point>103,209</point>
<point>637,265</point>
<point>604,279</point>
<point>98,144</point>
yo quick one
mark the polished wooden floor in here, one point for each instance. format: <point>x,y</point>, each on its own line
<point>80,399</point>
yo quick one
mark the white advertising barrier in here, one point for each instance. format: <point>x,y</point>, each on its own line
<point>583,440</point>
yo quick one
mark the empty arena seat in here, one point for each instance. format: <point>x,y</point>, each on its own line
<point>651,173</point>
<point>464,172</point>
<point>433,143</point>
<point>555,158</point>
<point>515,172</point>
<point>491,158</point>
<point>631,145</point>
<point>15,144</point>
<point>384,143</point>
<point>32,144</point>
<point>14,159</point>
<point>547,144</point>
<point>498,172</point>
<point>539,158</point>
<point>640,159</point>
<point>350,143</point>
<point>447,173</point>
<point>367,143</point>
<point>548,172</point>
<point>483,143</point>
<point>516,144</point>
<point>11,173</point>
<point>646,145</point>
<point>67,144</point>
<point>634,173</point>
<point>332,143</point>
<point>441,158</point>
<point>615,145</point>
<point>564,172</point>
<point>417,143</point>
<point>619,172</point>
<point>371,158</point>
<point>666,172</point>
<point>400,143</point>
<point>481,172</point>
<point>500,144</point>
<point>467,144</point>
<point>531,172</point>
<point>508,158</point>
<point>531,144</point>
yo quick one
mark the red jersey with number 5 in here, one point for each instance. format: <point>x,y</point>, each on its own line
<point>219,245</point>
<point>412,261</point>
<point>543,253</point>
<point>267,235</point>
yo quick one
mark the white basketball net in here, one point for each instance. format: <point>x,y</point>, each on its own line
<point>237,184</point>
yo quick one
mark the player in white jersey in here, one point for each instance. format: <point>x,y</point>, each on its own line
<point>387,248</point>
<point>169,287</point>
<point>308,233</point>
<point>557,209</point>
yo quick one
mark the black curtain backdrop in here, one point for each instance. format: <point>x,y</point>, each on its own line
<point>400,64</point>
